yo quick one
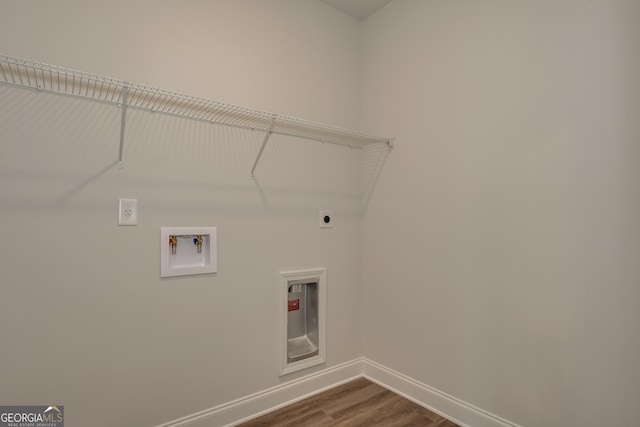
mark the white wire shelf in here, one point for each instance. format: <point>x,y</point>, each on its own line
<point>53,79</point>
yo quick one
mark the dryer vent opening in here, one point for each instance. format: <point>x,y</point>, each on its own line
<point>302,319</point>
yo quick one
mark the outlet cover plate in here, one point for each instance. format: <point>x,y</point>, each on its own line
<point>326,219</point>
<point>128,212</point>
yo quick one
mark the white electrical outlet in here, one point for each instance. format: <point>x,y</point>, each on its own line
<point>128,212</point>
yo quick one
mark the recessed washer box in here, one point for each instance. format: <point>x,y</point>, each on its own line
<point>188,250</point>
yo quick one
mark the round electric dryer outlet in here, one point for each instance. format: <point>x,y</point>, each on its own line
<point>326,219</point>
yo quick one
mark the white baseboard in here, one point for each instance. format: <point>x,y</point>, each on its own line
<point>248,407</point>
<point>252,406</point>
<point>452,408</point>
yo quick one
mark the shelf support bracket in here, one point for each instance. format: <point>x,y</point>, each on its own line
<point>123,119</point>
<point>264,143</point>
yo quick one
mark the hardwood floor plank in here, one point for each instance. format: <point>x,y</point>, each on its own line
<point>354,404</point>
<point>367,399</point>
<point>285,419</point>
<point>392,411</point>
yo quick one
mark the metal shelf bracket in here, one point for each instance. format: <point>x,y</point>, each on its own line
<point>264,143</point>
<point>123,120</point>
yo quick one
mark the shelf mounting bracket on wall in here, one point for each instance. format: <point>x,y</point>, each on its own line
<point>264,143</point>
<point>123,119</point>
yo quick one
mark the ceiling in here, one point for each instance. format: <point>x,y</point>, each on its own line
<point>359,9</point>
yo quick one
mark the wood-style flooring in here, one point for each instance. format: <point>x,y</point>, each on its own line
<point>357,403</point>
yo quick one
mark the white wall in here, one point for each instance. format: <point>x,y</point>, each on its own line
<point>85,320</point>
<point>501,245</point>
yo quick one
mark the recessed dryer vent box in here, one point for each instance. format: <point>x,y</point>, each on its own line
<point>302,319</point>
<point>187,250</point>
